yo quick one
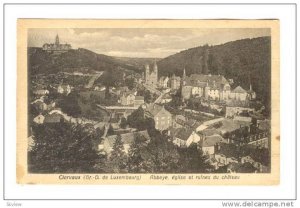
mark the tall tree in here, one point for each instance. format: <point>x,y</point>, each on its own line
<point>117,161</point>
<point>164,155</point>
<point>138,158</point>
<point>192,160</point>
<point>62,148</point>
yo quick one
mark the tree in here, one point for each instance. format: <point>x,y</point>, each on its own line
<point>123,123</point>
<point>69,104</point>
<point>164,156</point>
<point>130,83</point>
<point>116,162</point>
<point>138,160</point>
<point>139,121</point>
<point>62,148</point>
<point>192,160</point>
<point>148,96</point>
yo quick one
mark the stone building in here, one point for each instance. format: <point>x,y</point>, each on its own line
<point>56,48</point>
<point>151,75</point>
<point>161,117</point>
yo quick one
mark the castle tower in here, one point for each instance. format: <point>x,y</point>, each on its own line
<point>57,40</point>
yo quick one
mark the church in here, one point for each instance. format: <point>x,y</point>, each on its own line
<point>151,75</point>
<point>56,48</point>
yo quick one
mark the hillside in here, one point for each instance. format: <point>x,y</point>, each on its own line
<point>40,62</point>
<point>138,63</point>
<point>244,61</point>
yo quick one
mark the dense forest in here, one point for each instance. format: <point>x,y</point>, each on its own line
<point>40,62</point>
<point>245,61</point>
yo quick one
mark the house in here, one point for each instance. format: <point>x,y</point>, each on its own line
<point>41,92</point>
<point>100,88</point>
<point>40,105</point>
<point>139,100</point>
<point>53,118</point>
<point>163,82</point>
<point>39,119</point>
<point>184,137</point>
<point>166,98</point>
<point>243,118</point>
<point>261,140</point>
<point>226,154</point>
<point>64,89</point>
<point>127,98</point>
<point>209,143</point>
<point>107,144</point>
<point>122,90</point>
<point>178,121</point>
<point>239,94</point>
<point>162,117</point>
<point>174,82</point>
<point>231,111</point>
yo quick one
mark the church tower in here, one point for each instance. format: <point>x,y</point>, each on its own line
<point>183,77</point>
<point>57,40</point>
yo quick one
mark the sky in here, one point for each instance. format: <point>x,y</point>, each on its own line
<point>135,42</point>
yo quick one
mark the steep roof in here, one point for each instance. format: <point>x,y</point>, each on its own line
<point>210,132</point>
<point>202,80</point>
<point>154,109</point>
<point>239,89</point>
<point>183,133</point>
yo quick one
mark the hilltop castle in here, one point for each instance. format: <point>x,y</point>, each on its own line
<point>151,75</point>
<point>56,48</point>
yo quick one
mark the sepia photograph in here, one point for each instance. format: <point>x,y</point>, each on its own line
<point>142,100</point>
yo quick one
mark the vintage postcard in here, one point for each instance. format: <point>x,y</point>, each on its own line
<point>193,102</point>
